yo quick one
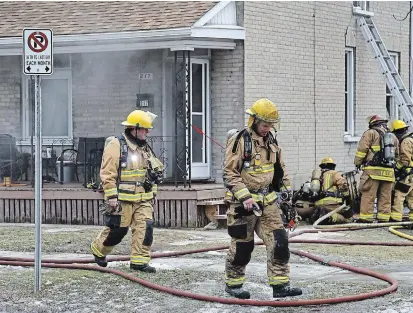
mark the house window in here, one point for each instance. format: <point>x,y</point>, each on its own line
<point>393,112</point>
<point>362,8</point>
<point>56,100</point>
<point>363,5</point>
<point>349,91</point>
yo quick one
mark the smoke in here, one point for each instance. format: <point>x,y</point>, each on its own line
<point>105,86</point>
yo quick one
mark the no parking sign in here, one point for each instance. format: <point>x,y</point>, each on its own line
<point>37,61</point>
<point>37,51</point>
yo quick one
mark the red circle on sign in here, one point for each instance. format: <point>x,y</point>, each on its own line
<point>35,44</point>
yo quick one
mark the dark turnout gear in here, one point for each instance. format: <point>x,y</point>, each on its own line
<point>378,177</point>
<point>252,179</point>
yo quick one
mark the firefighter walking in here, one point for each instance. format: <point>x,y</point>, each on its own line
<point>251,157</point>
<point>129,173</point>
<point>332,191</point>
<point>376,155</point>
<point>403,189</point>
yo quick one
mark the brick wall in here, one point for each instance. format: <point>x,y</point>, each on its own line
<point>10,86</point>
<point>294,55</point>
<point>227,99</point>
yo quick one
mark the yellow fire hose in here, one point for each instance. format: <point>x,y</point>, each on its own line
<point>393,230</point>
<point>360,225</point>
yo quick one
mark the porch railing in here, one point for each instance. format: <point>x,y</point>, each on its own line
<point>22,167</point>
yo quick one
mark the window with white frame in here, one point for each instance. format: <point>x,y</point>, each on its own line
<point>393,112</point>
<point>363,5</point>
<point>56,99</point>
<point>349,91</point>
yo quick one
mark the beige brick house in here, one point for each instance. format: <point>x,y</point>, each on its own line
<point>112,57</point>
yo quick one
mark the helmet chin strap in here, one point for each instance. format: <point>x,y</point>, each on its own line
<point>140,142</point>
<point>254,126</point>
<point>136,131</point>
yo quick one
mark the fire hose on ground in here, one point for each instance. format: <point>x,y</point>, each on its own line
<point>357,225</point>
<point>80,265</point>
<point>393,230</point>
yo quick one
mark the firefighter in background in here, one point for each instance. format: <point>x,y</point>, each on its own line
<point>251,157</point>
<point>330,189</point>
<point>303,201</point>
<point>130,173</point>
<point>376,155</point>
<point>403,189</point>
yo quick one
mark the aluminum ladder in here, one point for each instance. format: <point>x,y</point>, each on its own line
<point>393,79</point>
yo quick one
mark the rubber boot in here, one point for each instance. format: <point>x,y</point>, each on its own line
<point>238,292</point>
<point>143,268</point>
<point>101,261</point>
<point>281,291</point>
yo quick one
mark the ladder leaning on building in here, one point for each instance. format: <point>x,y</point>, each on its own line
<point>381,54</point>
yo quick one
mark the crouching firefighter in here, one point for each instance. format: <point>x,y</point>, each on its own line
<point>130,173</point>
<point>252,160</point>
<point>403,189</point>
<point>303,201</point>
<point>376,155</point>
<point>330,189</point>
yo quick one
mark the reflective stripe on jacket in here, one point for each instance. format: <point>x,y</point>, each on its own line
<point>368,145</point>
<point>132,176</point>
<point>258,175</point>
<point>333,182</point>
<point>405,159</point>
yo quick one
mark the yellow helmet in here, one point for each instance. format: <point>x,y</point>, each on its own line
<point>327,160</point>
<point>264,110</point>
<point>140,119</point>
<point>397,125</point>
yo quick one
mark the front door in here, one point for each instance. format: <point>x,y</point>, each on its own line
<point>200,119</point>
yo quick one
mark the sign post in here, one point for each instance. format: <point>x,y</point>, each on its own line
<point>37,61</point>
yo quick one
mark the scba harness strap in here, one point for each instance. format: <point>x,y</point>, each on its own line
<point>153,176</point>
<point>385,155</point>
<point>247,156</point>
<point>248,146</point>
<point>123,159</point>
